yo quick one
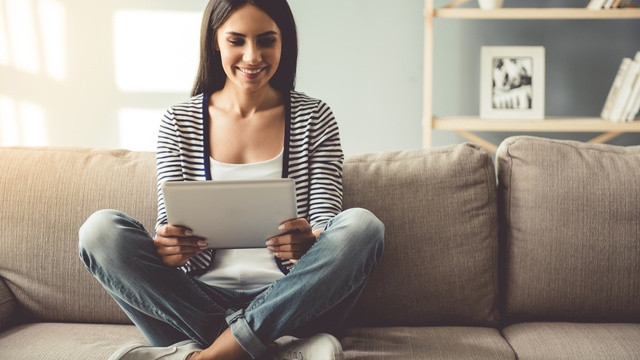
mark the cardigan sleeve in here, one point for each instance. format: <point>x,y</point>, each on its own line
<point>167,160</point>
<point>170,168</point>
<point>325,168</point>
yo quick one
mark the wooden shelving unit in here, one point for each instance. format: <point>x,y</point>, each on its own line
<point>464,125</point>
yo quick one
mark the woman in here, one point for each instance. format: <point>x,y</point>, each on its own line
<point>245,120</point>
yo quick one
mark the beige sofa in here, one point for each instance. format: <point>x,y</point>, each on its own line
<point>544,265</point>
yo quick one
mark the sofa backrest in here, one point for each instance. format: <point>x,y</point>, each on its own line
<point>438,206</point>
<point>46,194</point>
<point>440,259</point>
<point>570,216</point>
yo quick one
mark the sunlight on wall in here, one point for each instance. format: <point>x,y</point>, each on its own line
<point>139,128</point>
<point>21,26</point>
<point>52,28</point>
<point>27,37</point>
<point>9,133</point>
<point>4,40</point>
<point>156,51</point>
<point>22,123</point>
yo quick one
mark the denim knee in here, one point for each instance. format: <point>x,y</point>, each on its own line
<point>104,235</point>
<point>363,234</point>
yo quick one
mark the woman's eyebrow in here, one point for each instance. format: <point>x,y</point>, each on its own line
<point>266,33</point>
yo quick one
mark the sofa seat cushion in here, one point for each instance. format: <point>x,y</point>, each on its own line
<point>568,341</point>
<point>63,341</point>
<point>434,343</point>
<point>571,229</point>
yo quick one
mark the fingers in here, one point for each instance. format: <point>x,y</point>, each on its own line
<point>300,225</point>
<point>176,245</point>
<point>291,246</point>
<point>173,231</point>
<point>165,248</point>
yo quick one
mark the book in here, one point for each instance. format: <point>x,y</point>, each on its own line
<point>631,73</point>
<point>607,4</point>
<point>615,4</point>
<point>615,86</point>
<point>595,4</point>
<point>633,105</point>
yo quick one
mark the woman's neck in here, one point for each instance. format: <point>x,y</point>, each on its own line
<point>245,104</point>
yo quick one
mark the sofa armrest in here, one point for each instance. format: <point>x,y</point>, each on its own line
<point>7,304</point>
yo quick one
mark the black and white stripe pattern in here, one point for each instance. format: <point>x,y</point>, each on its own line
<point>312,157</point>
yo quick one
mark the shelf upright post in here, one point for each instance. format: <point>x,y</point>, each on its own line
<point>427,96</point>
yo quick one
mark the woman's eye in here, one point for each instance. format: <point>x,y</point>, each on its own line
<point>236,42</point>
<point>266,42</point>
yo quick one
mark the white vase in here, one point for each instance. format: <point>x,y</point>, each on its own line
<point>490,4</point>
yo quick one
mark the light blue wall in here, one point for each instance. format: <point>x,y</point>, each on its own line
<point>364,57</point>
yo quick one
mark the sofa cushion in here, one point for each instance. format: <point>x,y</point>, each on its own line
<point>58,341</point>
<point>437,343</point>
<point>439,209</point>
<point>7,304</point>
<point>46,194</point>
<point>574,341</point>
<point>570,216</point>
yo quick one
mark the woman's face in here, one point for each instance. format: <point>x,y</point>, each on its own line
<point>250,46</point>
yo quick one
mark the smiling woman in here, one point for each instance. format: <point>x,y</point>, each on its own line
<point>250,45</point>
<point>244,121</point>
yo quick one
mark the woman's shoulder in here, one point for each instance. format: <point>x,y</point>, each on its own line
<point>192,105</point>
<point>301,100</point>
<point>300,97</point>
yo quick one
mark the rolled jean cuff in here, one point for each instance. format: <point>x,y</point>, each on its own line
<point>244,335</point>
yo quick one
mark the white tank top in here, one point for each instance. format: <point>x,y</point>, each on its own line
<point>244,269</point>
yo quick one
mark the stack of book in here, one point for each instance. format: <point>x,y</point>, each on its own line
<point>623,101</point>
<point>607,4</point>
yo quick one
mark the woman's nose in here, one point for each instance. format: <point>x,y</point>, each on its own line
<point>252,54</point>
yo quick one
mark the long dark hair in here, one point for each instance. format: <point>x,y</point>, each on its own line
<point>211,76</point>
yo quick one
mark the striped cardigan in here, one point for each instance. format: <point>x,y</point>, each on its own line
<point>312,157</point>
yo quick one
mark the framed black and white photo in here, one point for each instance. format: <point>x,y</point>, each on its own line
<point>512,82</point>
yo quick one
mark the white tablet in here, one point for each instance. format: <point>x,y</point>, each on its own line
<point>231,214</point>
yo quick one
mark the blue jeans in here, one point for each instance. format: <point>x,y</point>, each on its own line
<point>169,306</point>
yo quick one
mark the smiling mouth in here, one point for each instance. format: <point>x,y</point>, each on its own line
<point>251,71</point>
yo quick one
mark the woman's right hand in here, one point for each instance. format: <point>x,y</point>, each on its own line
<point>176,245</point>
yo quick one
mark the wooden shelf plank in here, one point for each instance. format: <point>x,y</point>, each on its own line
<point>549,124</point>
<point>536,13</point>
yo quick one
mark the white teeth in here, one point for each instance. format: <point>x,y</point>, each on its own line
<point>250,72</point>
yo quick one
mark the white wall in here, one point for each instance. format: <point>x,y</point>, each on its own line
<point>100,74</point>
<point>120,65</point>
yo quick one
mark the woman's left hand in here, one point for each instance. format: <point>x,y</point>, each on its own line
<point>296,239</point>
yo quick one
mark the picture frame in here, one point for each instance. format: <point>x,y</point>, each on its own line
<point>512,82</point>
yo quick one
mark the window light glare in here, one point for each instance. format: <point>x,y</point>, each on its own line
<point>51,14</point>
<point>4,40</point>
<point>33,124</point>
<point>22,35</point>
<point>22,123</point>
<point>156,50</point>
<point>9,133</point>
<point>139,128</point>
